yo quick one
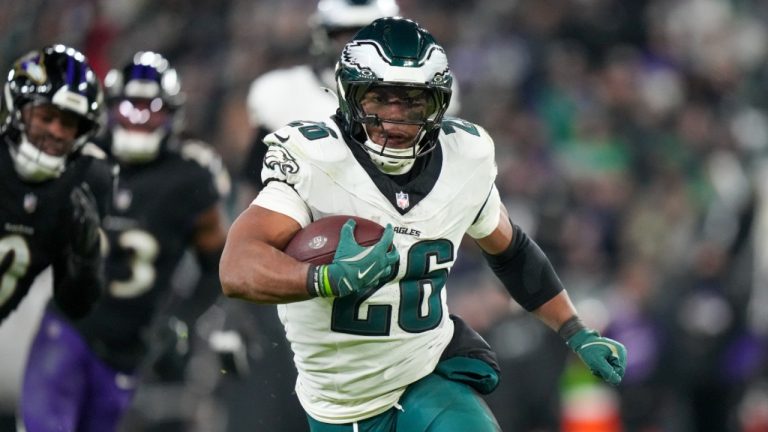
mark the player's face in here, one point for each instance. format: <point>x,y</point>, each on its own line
<point>143,115</point>
<point>50,129</point>
<point>401,111</point>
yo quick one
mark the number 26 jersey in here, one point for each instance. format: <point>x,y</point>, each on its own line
<point>356,354</point>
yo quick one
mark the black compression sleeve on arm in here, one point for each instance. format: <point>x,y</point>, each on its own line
<point>525,271</point>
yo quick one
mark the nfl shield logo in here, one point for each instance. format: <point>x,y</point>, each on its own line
<point>30,202</point>
<point>402,200</point>
<point>123,199</point>
<point>318,242</point>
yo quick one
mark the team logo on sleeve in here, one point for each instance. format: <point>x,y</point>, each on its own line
<point>278,158</point>
<point>402,200</point>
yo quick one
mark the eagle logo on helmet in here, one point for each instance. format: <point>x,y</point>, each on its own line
<point>433,60</point>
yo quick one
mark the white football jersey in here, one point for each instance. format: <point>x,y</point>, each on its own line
<point>356,354</point>
<point>281,96</point>
<point>297,93</point>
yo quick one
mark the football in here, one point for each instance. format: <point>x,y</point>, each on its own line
<point>316,243</point>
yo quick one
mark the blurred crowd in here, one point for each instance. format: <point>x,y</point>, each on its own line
<point>631,138</point>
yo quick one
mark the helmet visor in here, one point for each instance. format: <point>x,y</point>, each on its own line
<point>399,104</point>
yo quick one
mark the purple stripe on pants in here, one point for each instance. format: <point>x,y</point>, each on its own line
<point>66,387</point>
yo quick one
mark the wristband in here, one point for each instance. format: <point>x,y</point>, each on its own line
<point>318,284</point>
<point>313,281</point>
<point>570,327</point>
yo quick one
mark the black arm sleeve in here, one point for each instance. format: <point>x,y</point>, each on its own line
<point>525,271</point>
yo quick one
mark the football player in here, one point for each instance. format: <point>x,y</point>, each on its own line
<point>54,183</point>
<point>370,331</point>
<point>168,199</point>
<point>333,24</point>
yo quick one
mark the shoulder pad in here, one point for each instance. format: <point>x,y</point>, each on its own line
<point>466,138</point>
<point>198,151</point>
<point>309,140</point>
<point>293,150</point>
<point>94,151</point>
<point>208,158</point>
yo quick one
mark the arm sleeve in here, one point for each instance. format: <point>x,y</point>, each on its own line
<point>525,271</point>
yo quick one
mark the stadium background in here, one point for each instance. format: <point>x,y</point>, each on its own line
<point>631,141</point>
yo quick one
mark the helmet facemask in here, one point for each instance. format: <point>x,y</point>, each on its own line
<point>393,73</point>
<point>139,127</point>
<point>394,120</point>
<point>38,153</point>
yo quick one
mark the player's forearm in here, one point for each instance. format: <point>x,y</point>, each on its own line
<point>262,274</point>
<point>556,311</point>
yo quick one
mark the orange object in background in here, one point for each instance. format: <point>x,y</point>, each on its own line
<point>588,404</point>
<point>591,408</point>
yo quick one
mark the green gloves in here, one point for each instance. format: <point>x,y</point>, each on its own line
<point>354,267</point>
<point>605,357</point>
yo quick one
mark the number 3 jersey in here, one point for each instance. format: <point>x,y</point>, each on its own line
<point>356,354</point>
<point>32,232</point>
<point>151,225</point>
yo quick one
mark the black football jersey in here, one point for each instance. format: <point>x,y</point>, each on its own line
<point>32,219</point>
<point>150,226</point>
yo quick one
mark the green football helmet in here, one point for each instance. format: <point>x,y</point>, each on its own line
<point>393,53</point>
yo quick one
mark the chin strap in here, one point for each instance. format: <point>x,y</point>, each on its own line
<point>33,164</point>
<point>391,161</point>
<point>134,146</point>
<point>390,165</point>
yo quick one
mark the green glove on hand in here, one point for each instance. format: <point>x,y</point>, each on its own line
<point>354,267</point>
<point>605,357</point>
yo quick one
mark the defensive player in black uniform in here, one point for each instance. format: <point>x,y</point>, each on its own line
<point>54,184</point>
<point>81,376</point>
